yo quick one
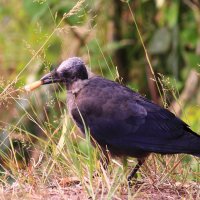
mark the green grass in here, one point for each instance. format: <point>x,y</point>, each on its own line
<point>62,152</point>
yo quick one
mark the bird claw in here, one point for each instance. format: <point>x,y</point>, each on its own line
<point>134,182</point>
<point>131,181</point>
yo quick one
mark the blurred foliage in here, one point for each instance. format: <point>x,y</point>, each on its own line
<point>170,30</point>
<point>103,33</point>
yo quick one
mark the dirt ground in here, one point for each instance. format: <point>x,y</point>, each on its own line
<point>76,192</point>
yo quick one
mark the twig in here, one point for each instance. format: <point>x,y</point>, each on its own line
<point>188,92</point>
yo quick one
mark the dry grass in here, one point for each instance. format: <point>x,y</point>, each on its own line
<point>73,189</point>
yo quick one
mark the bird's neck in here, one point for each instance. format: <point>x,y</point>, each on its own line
<point>76,86</point>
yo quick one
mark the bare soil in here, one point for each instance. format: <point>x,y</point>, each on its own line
<point>75,191</point>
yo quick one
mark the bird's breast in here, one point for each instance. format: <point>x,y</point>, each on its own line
<point>70,102</point>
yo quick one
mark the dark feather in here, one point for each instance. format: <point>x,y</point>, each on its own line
<point>128,123</point>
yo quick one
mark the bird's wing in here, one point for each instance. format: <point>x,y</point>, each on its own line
<point>163,132</point>
<point>125,121</point>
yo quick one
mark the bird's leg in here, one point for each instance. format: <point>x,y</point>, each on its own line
<point>133,172</point>
<point>105,159</point>
<point>104,156</point>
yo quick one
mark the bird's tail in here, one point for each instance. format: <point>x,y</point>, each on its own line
<point>193,140</point>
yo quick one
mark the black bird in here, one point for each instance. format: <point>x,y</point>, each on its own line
<point>119,119</point>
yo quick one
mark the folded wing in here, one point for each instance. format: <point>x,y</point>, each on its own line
<point>128,123</point>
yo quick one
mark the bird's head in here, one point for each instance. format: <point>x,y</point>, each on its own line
<point>67,72</point>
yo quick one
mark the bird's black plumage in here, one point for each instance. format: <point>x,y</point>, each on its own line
<point>129,124</point>
<point>120,119</point>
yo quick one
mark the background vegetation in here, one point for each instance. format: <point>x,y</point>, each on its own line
<point>39,144</point>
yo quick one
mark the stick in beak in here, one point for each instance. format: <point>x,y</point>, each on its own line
<point>33,86</point>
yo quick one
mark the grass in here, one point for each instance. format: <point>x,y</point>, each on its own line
<point>64,164</point>
<point>64,160</point>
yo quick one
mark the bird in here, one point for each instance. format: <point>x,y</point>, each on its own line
<point>120,120</point>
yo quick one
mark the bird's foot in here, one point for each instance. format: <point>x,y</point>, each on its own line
<point>131,181</point>
<point>135,183</point>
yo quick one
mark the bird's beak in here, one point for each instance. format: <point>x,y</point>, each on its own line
<point>51,77</point>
